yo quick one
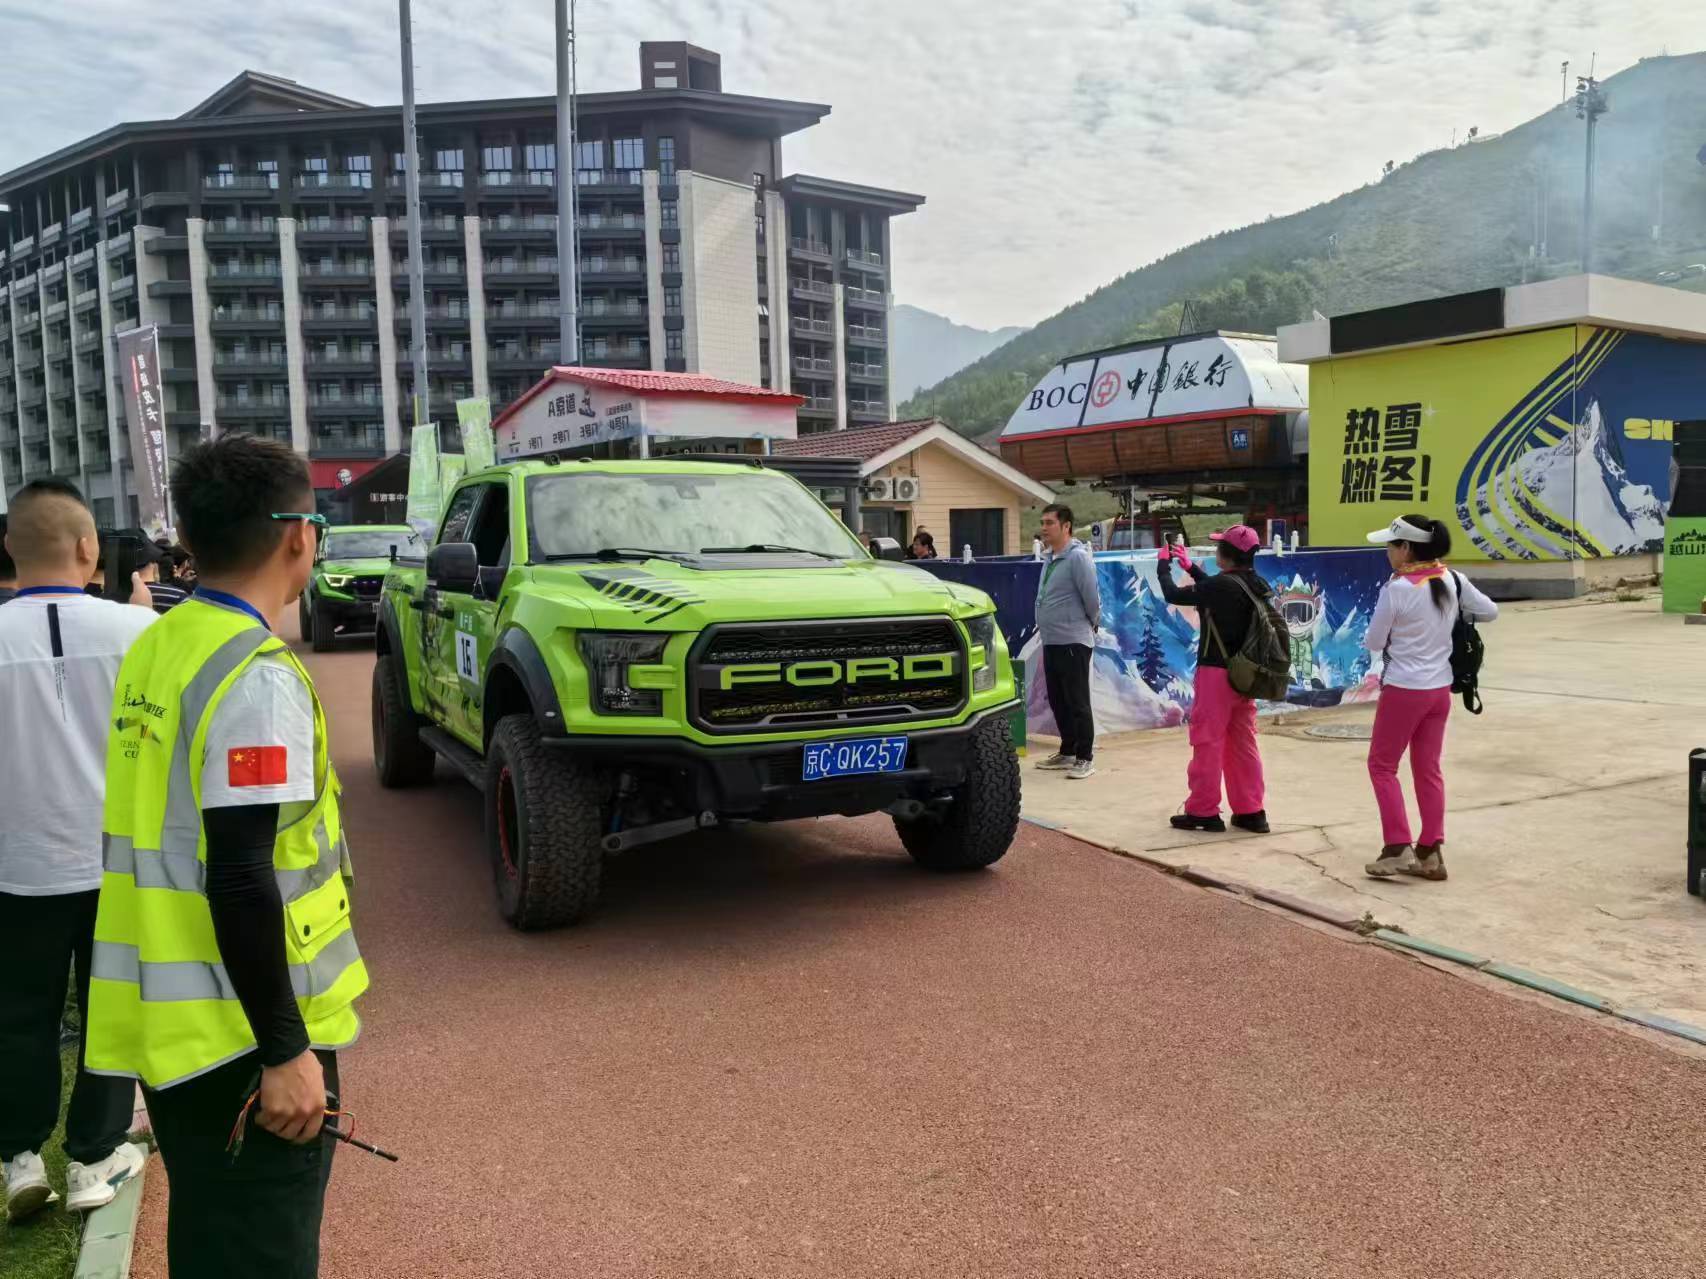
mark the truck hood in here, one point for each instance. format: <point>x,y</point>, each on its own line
<point>667,596</point>
<point>370,567</point>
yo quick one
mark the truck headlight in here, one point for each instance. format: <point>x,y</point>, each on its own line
<point>608,656</point>
<point>337,581</point>
<point>981,630</point>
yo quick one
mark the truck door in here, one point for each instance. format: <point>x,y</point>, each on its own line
<point>468,621</point>
<point>438,616</point>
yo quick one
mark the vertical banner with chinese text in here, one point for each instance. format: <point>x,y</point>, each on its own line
<point>474,416</point>
<point>145,415</point>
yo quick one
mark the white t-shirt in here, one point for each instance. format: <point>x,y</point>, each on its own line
<point>59,659</point>
<point>260,742</point>
<point>1415,633</point>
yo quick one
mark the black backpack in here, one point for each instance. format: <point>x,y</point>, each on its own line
<point>1467,653</point>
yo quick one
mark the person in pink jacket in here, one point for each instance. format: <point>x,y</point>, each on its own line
<point>1411,628</point>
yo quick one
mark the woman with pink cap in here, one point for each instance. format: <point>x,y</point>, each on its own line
<point>1223,722</point>
<point>1411,628</point>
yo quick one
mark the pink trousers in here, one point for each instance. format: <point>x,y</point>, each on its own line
<point>1223,745</point>
<point>1410,719</point>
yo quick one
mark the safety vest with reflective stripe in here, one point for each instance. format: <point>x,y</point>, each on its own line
<point>161,1005</point>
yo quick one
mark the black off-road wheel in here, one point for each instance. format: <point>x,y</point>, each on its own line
<point>399,756</point>
<point>976,828</point>
<point>544,827</point>
<point>323,637</point>
<point>304,619</point>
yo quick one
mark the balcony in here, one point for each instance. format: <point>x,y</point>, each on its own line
<point>538,270</point>
<point>248,363</point>
<point>865,297</point>
<point>338,270</point>
<point>542,316</point>
<point>241,230</point>
<point>598,313</point>
<point>119,245</point>
<point>233,181</point>
<point>606,267</point>
<point>803,246</point>
<point>54,310</point>
<point>812,366</point>
<point>117,200</point>
<point>526,227</point>
<point>253,406</point>
<point>170,289</point>
<point>86,299</point>
<point>50,234</point>
<point>365,440</point>
<point>611,226</point>
<point>441,228</point>
<point>234,317</point>
<point>358,185</point>
<point>867,335</point>
<point>357,360</point>
<point>89,340</point>
<point>865,259</point>
<point>160,245</point>
<point>165,200</point>
<point>258,271</point>
<point>27,359</point>
<point>868,373</point>
<point>529,182</point>
<point>433,271</point>
<point>811,288</point>
<point>536,358</point>
<point>320,319</point>
<point>818,405</point>
<point>618,179</point>
<point>803,325</point>
<point>869,409</point>
<point>448,182</point>
<point>343,408</point>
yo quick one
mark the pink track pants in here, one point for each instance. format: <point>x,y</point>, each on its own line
<point>1223,744</point>
<point>1410,719</point>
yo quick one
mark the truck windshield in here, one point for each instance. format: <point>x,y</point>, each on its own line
<point>571,514</point>
<point>371,545</point>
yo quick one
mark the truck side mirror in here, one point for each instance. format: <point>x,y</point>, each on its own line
<point>886,548</point>
<point>453,567</point>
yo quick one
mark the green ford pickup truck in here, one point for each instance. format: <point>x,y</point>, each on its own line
<point>343,595</point>
<point>617,652</point>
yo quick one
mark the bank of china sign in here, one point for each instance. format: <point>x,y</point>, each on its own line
<point>1191,377</point>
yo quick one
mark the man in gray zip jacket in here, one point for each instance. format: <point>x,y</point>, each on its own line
<point>1069,613</point>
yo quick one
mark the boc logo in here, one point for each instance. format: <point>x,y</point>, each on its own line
<point>1106,389</point>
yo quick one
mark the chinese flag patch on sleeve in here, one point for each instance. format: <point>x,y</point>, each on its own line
<point>257,766</point>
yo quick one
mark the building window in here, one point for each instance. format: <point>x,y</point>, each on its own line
<point>541,155</point>
<point>589,155</point>
<point>448,160</point>
<point>497,159</point>
<point>669,213</point>
<point>313,164</point>
<point>672,346</point>
<point>672,257</point>
<point>666,157</point>
<point>630,153</point>
<point>672,301</point>
<point>360,169</point>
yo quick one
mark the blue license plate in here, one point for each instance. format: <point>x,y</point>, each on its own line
<point>850,759</point>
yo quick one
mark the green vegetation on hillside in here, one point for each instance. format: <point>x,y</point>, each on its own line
<point>1448,221</point>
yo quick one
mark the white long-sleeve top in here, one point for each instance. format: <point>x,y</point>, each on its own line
<point>1415,633</point>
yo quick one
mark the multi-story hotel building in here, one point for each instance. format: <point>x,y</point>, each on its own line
<point>265,233</point>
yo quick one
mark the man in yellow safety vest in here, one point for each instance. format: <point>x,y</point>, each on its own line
<point>225,970</point>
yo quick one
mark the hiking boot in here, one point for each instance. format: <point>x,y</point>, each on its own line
<point>1058,763</point>
<point>1081,768</point>
<point>1429,862</point>
<point>1208,825</point>
<point>1256,823</point>
<point>1394,859</point>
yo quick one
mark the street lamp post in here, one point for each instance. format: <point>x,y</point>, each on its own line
<point>568,266</point>
<point>1590,105</point>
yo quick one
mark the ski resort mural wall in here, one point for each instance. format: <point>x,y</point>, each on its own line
<point>1146,652</point>
<point>1550,445</point>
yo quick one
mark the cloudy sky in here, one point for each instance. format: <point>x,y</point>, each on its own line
<point>1059,142</point>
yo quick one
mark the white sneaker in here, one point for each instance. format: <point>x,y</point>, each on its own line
<point>1081,768</point>
<point>92,1186</point>
<point>1057,763</point>
<point>27,1190</point>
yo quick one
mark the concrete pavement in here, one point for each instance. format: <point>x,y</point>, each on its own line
<point>787,1052</point>
<point>1568,807</point>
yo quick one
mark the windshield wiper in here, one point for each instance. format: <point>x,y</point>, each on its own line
<point>767,548</point>
<point>615,553</point>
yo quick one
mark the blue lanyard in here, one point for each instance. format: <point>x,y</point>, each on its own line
<point>49,590</point>
<point>229,601</point>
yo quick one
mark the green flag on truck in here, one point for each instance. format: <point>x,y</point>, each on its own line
<point>474,416</point>
<point>425,485</point>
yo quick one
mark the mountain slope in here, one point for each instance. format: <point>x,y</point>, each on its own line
<point>1447,221</point>
<point>927,347</point>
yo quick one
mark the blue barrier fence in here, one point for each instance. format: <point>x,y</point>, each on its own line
<point>1146,653</point>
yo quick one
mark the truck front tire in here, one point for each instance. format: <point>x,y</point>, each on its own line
<point>977,826</point>
<point>324,631</point>
<point>399,756</point>
<point>544,828</point>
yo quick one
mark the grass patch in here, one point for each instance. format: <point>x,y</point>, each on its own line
<point>45,1246</point>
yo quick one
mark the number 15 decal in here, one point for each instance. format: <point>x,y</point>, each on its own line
<point>467,657</point>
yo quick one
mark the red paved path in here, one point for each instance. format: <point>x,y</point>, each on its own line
<point>790,1053</point>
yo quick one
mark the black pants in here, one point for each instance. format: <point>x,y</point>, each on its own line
<point>44,936</point>
<point>1066,672</point>
<point>258,1216</point>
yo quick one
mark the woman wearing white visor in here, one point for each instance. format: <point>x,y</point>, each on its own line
<point>1412,627</point>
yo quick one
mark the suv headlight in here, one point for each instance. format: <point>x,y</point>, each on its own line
<point>337,581</point>
<point>981,630</point>
<point>608,656</point>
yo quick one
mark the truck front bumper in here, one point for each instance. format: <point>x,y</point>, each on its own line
<point>351,614</point>
<point>763,782</point>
